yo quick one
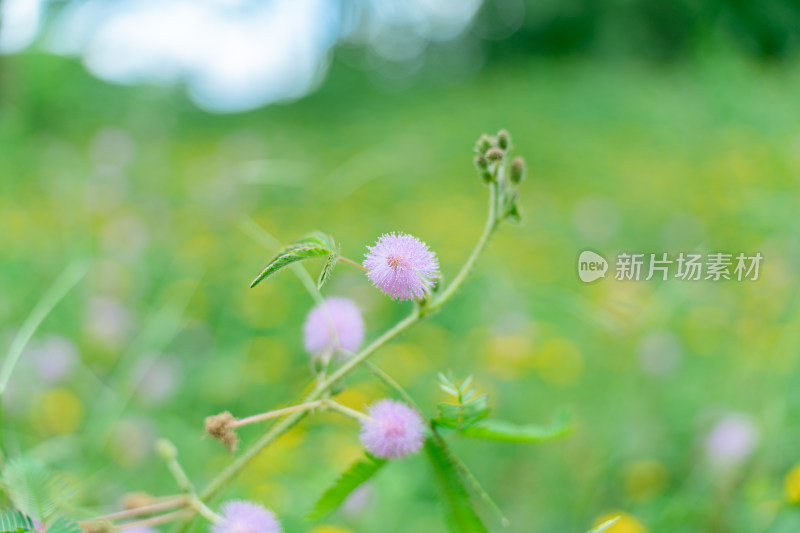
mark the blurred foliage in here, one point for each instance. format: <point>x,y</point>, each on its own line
<point>702,155</point>
<point>651,29</point>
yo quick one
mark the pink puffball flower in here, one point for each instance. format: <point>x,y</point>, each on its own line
<point>246,517</point>
<point>335,315</point>
<point>402,266</point>
<point>394,431</point>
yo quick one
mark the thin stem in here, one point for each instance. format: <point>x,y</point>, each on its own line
<point>346,411</point>
<point>291,420</point>
<point>288,422</point>
<point>491,224</point>
<point>392,384</point>
<point>60,287</point>
<point>476,485</point>
<point>144,509</point>
<point>277,413</point>
<point>156,520</point>
<point>204,511</point>
<point>353,263</point>
<point>180,476</point>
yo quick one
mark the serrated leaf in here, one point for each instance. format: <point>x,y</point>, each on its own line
<point>318,238</point>
<point>459,513</point>
<point>63,525</point>
<point>448,389</point>
<point>358,473</point>
<point>463,415</point>
<point>327,269</point>
<point>500,430</point>
<point>15,522</point>
<point>289,255</point>
<point>34,489</point>
<point>605,525</point>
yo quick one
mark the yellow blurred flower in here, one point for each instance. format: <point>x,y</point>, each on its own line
<point>404,361</point>
<point>792,484</point>
<point>509,355</point>
<point>277,496</point>
<point>559,361</point>
<point>644,479</point>
<point>59,412</point>
<point>625,524</point>
<point>331,529</point>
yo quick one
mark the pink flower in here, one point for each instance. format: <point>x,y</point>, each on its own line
<point>395,431</point>
<point>732,440</point>
<point>246,517</point>
<point>339,315</point>
<point>55,358</point>
<point>402,266</point>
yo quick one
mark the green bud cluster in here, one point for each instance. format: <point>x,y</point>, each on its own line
<point>494,166</point>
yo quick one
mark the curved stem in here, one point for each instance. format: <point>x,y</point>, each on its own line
<point>392,384</point>
<point>136,511</point>
<point>156,520</point>
<point>491,225</point>
<point>290,421</point>
<point>352,263</point>
<point>277,413</point>
<point>346,411</point>
<point>285,424</point>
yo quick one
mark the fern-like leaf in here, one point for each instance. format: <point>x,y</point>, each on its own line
<point>63,525</point>
<point>500,430</point>
<point>34,489</point>
<point>358,473</point>
<point>460,516</point>
<point>15,522</point>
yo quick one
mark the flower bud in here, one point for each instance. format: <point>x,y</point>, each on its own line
<point>484,143</point>
<point>221,428</point>
<point>166,449</point>
<point>486,176</point>
<point>495,154</point>
<point>503,139</point>
<point>134,500</point>
<point>516,171</point>
<point>480,162</point>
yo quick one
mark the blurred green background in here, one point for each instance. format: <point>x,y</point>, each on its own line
<point>647,127</point>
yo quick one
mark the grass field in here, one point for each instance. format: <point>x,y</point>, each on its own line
<point>165,208</point>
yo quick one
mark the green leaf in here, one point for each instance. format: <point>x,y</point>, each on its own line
<point>358,473</point>
<point>459,513</point>
<point>513,214</point>
<point>605,525</point>
<point>15,522</point>
<point>465,409</point>
<point>320,239</point>
<point>510,208</point>
<point>289,255</point>
<point>327,269</point>
<point>506,431</point>
<point>62,525</point>
<point>34,489</point>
